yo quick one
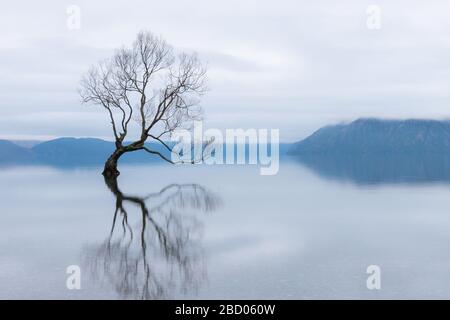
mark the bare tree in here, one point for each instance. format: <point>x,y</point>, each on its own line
<point>148,83</point>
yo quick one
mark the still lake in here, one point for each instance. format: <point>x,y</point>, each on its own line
<point>226,232</point>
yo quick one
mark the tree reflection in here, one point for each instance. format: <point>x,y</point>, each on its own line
<point>157,252</point>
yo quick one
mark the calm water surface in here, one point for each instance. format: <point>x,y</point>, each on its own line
<point>223,232</point>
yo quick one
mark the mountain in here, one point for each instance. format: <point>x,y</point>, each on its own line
<point>378,137</point>
<point>72,152</point>
<point>82,151</point>
<point>26,143</point>
<point>89,151</point>
<point>10,152</point>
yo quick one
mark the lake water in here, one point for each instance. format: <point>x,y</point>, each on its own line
<point>224,232</point>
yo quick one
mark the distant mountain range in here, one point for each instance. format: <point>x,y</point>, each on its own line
<point>360,137</point>
<point>11,152</point>
<point>69,152</point>
<point>378,137</point>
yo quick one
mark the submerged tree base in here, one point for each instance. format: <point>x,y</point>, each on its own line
<point>110,173</point>
<point>110,169</point>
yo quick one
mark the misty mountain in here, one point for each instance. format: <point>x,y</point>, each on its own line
<point>380,137</point>
<point>10,152</point>
<point>72,151</point>
<point>83,151</point>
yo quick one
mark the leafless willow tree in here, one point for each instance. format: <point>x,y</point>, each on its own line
<point>151,84</point>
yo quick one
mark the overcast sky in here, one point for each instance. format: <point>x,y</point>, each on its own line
<point>292,65</point>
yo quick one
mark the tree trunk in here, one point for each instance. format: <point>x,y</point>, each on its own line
<point>110,169</point>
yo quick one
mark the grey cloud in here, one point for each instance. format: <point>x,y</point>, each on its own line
<point>293,65</point>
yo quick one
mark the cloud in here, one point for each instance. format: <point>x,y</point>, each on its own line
<point>292,65</point>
